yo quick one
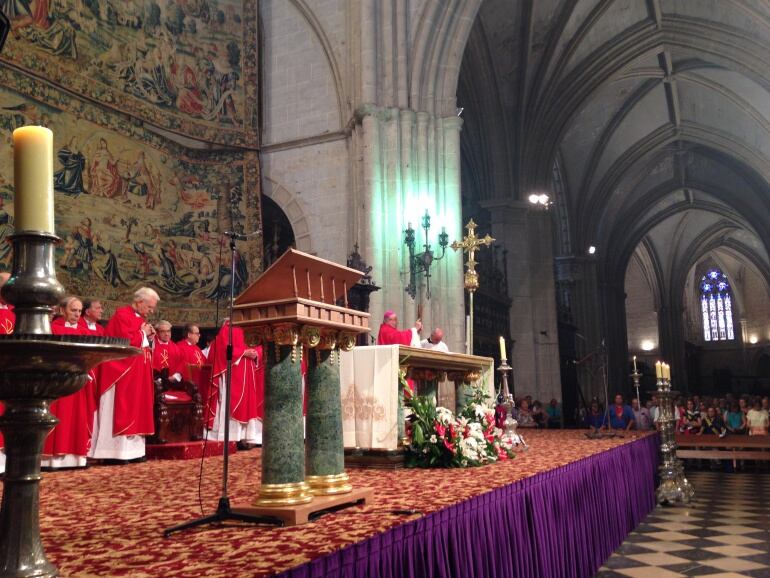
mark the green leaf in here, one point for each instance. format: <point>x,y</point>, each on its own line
<point>418,435</point>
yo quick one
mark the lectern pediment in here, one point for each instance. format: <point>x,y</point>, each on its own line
<point>299,275</point>
<point>304,290</point>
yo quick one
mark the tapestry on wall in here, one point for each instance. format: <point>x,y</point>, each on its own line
<point>132,208</point>
<point>186,65</point>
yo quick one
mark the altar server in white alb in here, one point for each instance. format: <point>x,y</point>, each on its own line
<point>435,341</point>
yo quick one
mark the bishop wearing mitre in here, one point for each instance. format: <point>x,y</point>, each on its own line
<point>390,335</point>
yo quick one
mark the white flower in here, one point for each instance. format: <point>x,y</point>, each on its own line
<point>479,410</point>
<point>444,416</point>
<point>425,450</point>
<point>470,448</point>
<point>433,439</point>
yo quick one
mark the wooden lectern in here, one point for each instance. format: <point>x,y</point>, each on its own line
<point>299,307</point>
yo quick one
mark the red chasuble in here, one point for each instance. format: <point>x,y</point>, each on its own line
<point>167,356</point>
<point>72,435</point>
<point>7,321</point>
<point>191,354</point>
<point>390,336</point>
<point>131,377</point>
<point>98,329</point>
<point>248,381</point>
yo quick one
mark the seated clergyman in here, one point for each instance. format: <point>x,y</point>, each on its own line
<point>435,341</point>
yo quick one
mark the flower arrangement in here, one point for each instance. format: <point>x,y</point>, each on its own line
<point>439,439</point>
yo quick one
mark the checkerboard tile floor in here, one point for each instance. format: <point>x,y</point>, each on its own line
<point>724,533</point>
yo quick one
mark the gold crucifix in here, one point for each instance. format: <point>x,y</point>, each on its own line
<point>470,244</point>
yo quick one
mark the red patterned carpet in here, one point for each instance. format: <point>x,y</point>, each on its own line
<point>108,520</point>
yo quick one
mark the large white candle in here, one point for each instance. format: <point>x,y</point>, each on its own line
<point>658,370</point>
<point>33,179</point>
<point>503,355</point>
<point>635,364</point>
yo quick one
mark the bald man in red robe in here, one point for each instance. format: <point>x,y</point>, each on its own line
<point>247,392</point>
<point>390,335</point>
<point>126,388</point>
<point>68,442</point>
<point>7,322</point>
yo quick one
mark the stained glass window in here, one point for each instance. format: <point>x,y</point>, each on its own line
<point>716,307</point>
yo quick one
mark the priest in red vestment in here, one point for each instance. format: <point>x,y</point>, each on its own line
<point>92,314</point>
<point>247,390</point>
<point>68,442</point>
<point>125,386</point>
<point>165,353</point>
<point>390,335</point>
<point>190,353</point>
<point>7,322</point>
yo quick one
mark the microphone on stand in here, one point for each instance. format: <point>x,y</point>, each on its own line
<point>240,236</point>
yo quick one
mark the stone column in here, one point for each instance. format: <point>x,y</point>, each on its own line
<point>325,455</point>
<point>411,163</point>
<point>526,234</point>
<point>283,455</point>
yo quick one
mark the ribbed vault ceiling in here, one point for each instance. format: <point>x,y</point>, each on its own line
<point>654,117</point>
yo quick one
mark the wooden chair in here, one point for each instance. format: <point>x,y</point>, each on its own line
<point>178,409</point>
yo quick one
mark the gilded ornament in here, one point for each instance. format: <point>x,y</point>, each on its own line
<point>257,335</point>
<point>310,336</point>
<point>285,334</point>
<point>346,341</point>
<point>328,339</point>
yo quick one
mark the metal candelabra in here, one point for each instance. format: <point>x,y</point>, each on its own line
<point>674,486</point>
<point>37,368</point>
<point>636,376</point>
<point>422,262</point>
<point>506,402</point>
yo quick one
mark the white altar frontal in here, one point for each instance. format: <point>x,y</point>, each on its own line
<point>371,415</point>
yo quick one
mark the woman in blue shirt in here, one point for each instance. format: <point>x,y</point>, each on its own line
<point>735,420</point>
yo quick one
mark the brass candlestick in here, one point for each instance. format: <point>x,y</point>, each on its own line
<point>37,368</point>
<point>636,376</point>
<point>674,486</point>
<point>509,423</point>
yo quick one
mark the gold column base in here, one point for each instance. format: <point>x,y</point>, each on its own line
<point>329,485</point>
<point>283,494</point>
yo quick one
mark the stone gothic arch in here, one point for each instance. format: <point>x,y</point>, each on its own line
<point>293,207</point>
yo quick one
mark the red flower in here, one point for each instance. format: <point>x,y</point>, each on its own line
<point>452,432</point>
<point>440,429</point>
<point>449,445</point>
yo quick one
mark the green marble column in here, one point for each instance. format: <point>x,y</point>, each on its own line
<point>324,445</point>
<point>463,391</point>
<point>283,452</point>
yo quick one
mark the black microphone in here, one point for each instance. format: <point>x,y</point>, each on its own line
<point>240,236</point>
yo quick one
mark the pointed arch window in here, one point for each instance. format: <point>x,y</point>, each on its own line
<point>716,304</point>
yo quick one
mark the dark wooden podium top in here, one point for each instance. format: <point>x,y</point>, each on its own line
<point>299,275</point>
<point>301,288</point>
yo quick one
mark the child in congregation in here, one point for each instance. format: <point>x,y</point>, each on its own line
<point>690,420</point>
<point>712,424</point>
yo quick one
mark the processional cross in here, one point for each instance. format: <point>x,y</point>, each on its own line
<point>470,244</point>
